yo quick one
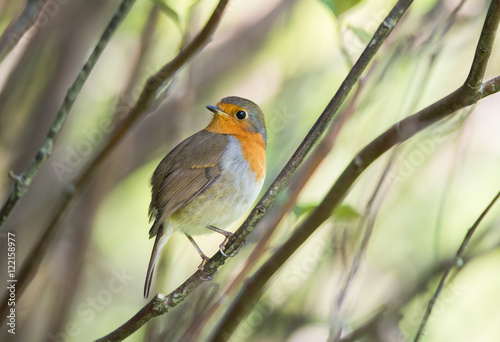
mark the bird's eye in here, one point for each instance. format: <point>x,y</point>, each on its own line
<point>241,115</point>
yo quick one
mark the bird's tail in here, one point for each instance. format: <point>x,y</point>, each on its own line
<point>162,237</point>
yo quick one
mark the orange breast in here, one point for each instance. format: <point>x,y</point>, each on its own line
<point>253,149</point>
<point>253,146</point>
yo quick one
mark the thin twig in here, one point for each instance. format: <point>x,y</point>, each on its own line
<point>365,327</point>
<point>161,304</point>
<point>154,83</point>
<point>447,187</point>
<point>420,287</point>
<point>23,181</point>
<point>401,131</point>
<point>19,26</point>
<point>367,220</point>
<point>456,260</point>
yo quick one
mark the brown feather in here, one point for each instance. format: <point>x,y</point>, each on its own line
<point>178,179</point>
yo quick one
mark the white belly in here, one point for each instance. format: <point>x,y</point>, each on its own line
<point>225,201</point>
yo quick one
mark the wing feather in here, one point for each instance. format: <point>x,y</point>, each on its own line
<point>178,178</point>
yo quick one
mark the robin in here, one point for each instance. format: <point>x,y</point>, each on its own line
<point>209,180</point>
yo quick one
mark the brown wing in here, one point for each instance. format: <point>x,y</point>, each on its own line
<point>191,167</point>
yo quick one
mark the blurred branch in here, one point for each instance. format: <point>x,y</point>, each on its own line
<point>161,304</point>
<point>365,328</point>
<point>466,95</point>
<point>145,42</point>
<point>367,220</point>
<point>78,234</point>
<point>456,261</point>
<point>23,181</point>
<point>153,84</point>
<point>19,26</point>
<point>370,325</point>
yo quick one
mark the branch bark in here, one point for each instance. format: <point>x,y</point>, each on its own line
<point>23,181</point>
<point>152,85</point>
<point>467,94</point>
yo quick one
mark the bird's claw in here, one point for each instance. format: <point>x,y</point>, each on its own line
<point>222,248</point>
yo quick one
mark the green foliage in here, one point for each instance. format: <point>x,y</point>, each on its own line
<point>338,7</point>
<point>169,12</point>
<point>345,212</point>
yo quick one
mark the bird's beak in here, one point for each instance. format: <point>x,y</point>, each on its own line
<point>216,110</point>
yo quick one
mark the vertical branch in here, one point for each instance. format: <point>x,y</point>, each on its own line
<point>23,181</point>
<point>483,49</point>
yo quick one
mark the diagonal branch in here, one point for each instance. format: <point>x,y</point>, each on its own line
<point>19,26</point>
<point>23,181</point>
<point>401,131</point>
<point>153,84</point>
<point>447,271</point>
<point>161,304</point>
<point>420,287</point>
<point>491,87</point>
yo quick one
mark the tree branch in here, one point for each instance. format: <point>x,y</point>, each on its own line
<point>23,181</point>
<point>447,271</point>
<point>161,304</point>
<point>19,26</point>
<point>152,85</point>
<point>491,87</point>
<point>401,131</point>
<point>483,50</point>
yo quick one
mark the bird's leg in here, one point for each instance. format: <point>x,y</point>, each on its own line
<point>201,267</point>
<point>200,252</point>
<point>222,246</point>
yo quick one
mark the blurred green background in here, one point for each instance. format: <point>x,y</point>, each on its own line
<point>289,57</point>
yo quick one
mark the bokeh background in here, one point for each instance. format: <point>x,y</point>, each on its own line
<point>289,57</point>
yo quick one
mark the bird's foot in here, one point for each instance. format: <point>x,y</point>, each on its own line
<point>205,275</point>
<point>222,247</point>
